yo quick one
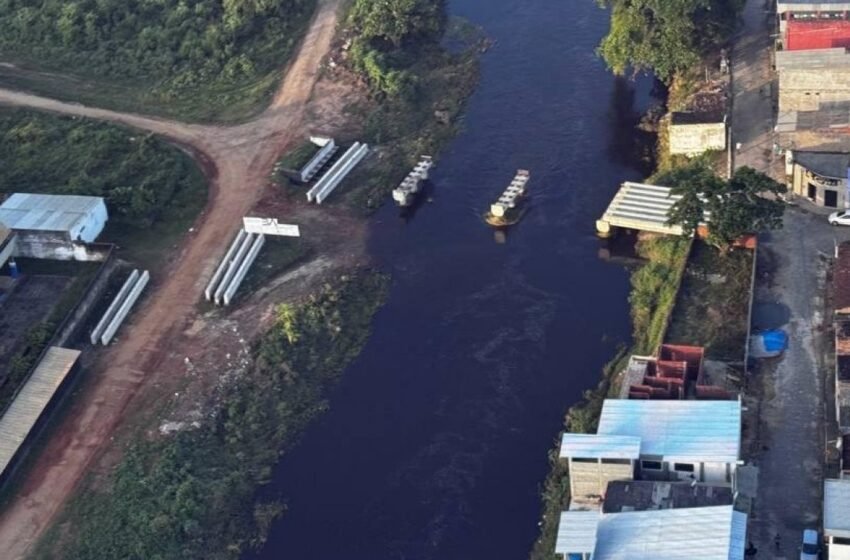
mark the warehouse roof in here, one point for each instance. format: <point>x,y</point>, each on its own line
<point>716,532</point>
<point>577,532</point>
<point>836,507</point>
<point>686,431</point>
<point>46,212</point>
<point>594,446</point>
<point>812,5</point>
<point>33,398</point>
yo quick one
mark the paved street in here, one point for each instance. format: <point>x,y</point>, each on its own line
<point>753,84</point>
<point>789,294</point>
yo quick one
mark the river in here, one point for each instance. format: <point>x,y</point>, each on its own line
<point>435,446</point>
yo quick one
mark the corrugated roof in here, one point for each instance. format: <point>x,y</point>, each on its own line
<point>783,6</point>
<point>836,507</point>
<point>577,532</point>
<point>593,446</point>
<point>22,414</point>
<point>643,207</point>
<point>705,533</point>
<point>686,431</point>
<point>45,212</point>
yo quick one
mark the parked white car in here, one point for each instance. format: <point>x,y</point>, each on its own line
<point>841,218</point>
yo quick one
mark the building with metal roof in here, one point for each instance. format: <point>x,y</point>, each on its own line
<point>703,533</point>
<point>577,533</point>
<point>593,446</point>
<point>836,517</point>
<point>21,417</point>
<point>642,495</point>
<point>640,207</point>
<point>54,217</point>
<point>679,440</point>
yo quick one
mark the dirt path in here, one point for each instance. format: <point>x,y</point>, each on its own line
<point>238,160</point>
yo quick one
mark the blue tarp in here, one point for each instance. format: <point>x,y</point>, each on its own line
<point>768,344</point>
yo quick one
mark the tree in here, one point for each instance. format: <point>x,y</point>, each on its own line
<point>399,21</point>
<point>665,36</point>
<point>747,203</point>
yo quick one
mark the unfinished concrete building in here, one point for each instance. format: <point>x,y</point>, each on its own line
<point>694,133</point>
<point>813,80</point>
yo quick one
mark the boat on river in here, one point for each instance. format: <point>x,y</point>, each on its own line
<point>510,207</point>
<point>406,192</point>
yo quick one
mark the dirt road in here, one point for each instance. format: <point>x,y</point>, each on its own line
<point>238,161</point>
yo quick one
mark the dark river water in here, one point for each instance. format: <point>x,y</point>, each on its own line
<point>435,446</point>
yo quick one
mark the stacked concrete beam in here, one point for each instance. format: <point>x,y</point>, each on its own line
<point>125,307</point>
<point>234,267</point>
<point>334,176</point>
<point>403,194</point>
<point>318,161</point>
<point>113,307</point>
<point>243,268</point>
<point>222,267</point>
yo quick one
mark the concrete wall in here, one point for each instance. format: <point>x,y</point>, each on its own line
<point>800,180</point>
<point>591,479</point>
<point>78,316</point>
<point>807,89</point>
<point>38,246</point>
<point>694,139</point>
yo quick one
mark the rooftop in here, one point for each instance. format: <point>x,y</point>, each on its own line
<point>812,59</point>
<point>686,431</point>
<point>36,393</point>
<point>593,446</point>
<point>836,507</point>
<point>693,117</point>
<point>811,5</point>
<point>827,164</point>
<point>642,207</point>
<point>716,532</point>
<point>46,212</point>
<point>577,532</point>
<point>642,495</point>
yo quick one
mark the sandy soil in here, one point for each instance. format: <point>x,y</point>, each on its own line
<point>152,354</point>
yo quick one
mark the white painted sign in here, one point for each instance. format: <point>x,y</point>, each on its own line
<point>270,226</point>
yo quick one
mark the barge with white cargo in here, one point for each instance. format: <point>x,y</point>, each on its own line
<point>510,207</point>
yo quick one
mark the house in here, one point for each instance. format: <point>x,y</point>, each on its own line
<point>821,177</point>
<point>836,517</point>
<point>706,533</point>
<point>669,440</point>
<point>53,226</point>
<point>693,133</point>
<point>813,79</point>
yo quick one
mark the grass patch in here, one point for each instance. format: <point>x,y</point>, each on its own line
<point>277,255</point>
<point>423,122</point>
<point>197,60</point>
<point>153,190</point>
<point>298,158</point>
<point>193,494</point>
<point>713,304</point>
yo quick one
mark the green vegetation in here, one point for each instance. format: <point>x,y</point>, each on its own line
<point>297,158</point>
<point>419,88</point>
<point>152,189</point>
<point>713,305</point>
<point>737,206</point>
<point>196,58</point>
<point>654,288</point>
<point>665,36</point>
<point>192,495</point>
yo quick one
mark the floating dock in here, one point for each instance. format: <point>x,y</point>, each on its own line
<point>406,192</point>
<point>507,211</point>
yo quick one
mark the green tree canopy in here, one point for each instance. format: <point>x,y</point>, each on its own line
<point>747,203</point>
<point>664,36</point>
<point>399,21</point>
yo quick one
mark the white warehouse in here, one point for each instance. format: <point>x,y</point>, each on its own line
<point>57,218</point>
